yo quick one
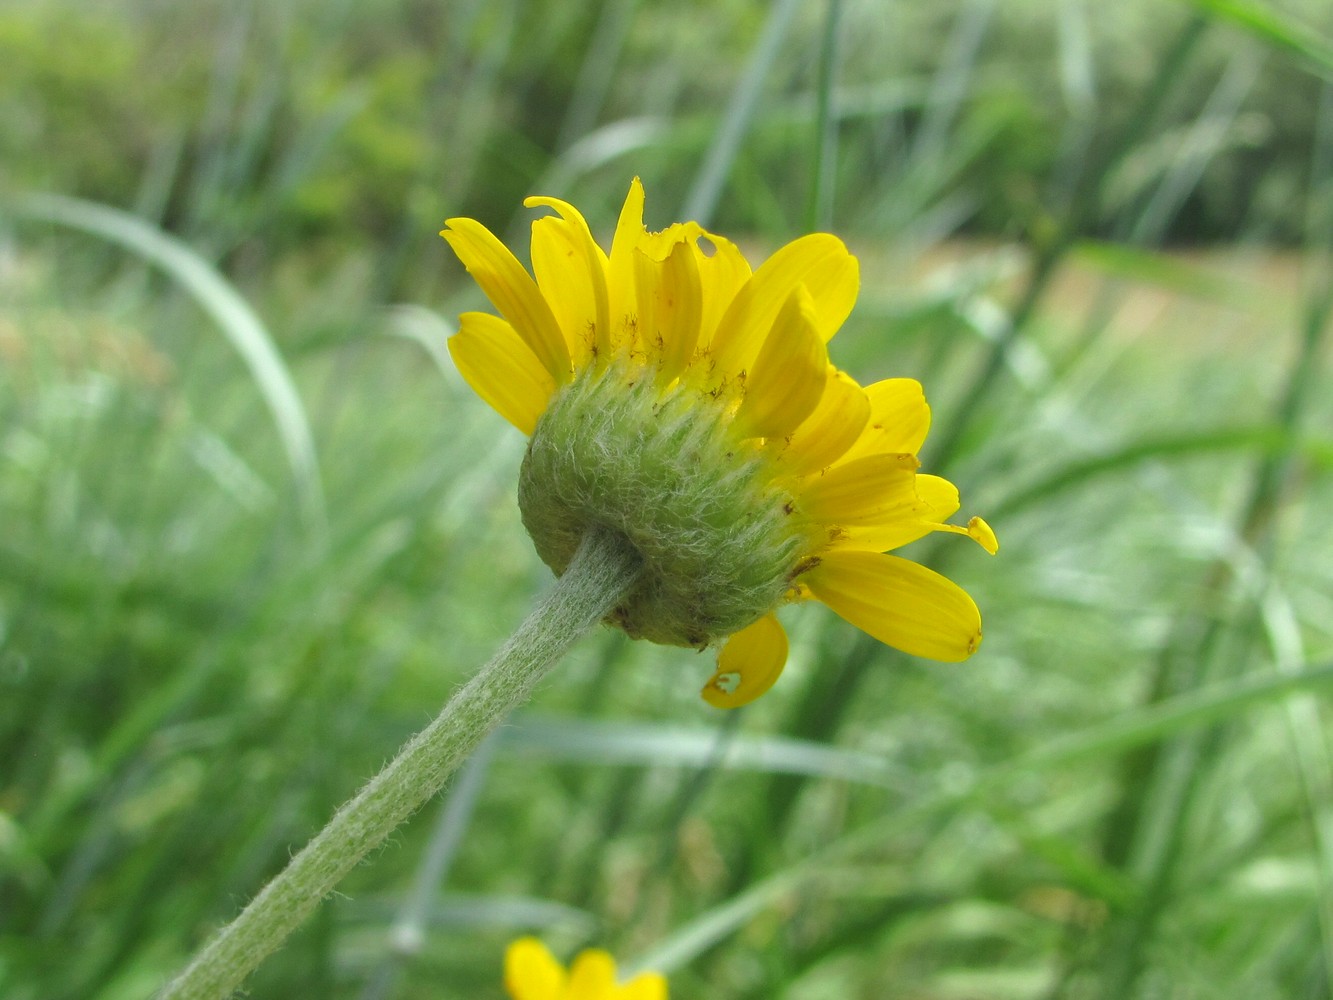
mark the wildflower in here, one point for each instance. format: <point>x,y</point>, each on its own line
<point>676,398</point>
<point>532,973</point>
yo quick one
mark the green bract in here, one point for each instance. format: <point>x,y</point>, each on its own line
<point>718,538</point>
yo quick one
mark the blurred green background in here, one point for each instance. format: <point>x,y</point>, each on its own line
<point>254,529</point>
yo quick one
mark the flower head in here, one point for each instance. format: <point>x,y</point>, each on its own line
<point>532,973</point>
<point>687,403</point>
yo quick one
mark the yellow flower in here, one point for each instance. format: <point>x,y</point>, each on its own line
<point>675,397</point>
<point>532,973</point>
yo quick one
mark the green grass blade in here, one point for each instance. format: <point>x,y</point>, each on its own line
<point>1184,713</point>
<point>819,209</point>
<point>1270,440</point>
<point>1122,260</point>
<point>217,297</point>
<point>643,743</point>
<point>706,190</point>
<point>1270,27</point>
<point>1196,709</point>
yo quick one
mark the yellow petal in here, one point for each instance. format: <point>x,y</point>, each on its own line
<point>940,498</point>
<point>939,494</point>
<point>592,976</point>
<point>899,602</point>
<point>501,369</point>
<point>512,291</point>
<point>983,534</point>
<point>623,303</point>
<point>895,530</point>
<point>899,419</point>
<point>669,303</point>
<point>884,537</point>
<point>818,261</point>
<point>571,273</point>
<point>532,973</point>
<point>870,490</point>
<point>722,274</point>
<point>647,986</point>
<point>788,376</point>
<point>976,529</point>
<point>831,429</point>
<point>658,246</point>
<point>748,665</point>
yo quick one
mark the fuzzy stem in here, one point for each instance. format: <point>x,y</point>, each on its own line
<point>603,569</point>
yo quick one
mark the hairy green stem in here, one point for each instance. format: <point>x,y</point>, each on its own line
<point>601,572</point>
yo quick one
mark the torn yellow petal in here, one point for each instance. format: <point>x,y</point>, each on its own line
<point>899,602</point>
<point>869,490</point>
<point>831,429</point>
<point>789,375</point>
<point>748,665</point>
<point>669,303</point>
<point>512,291</point>
<point>722,273</point>
<point>622,301</point>
<point>571,272</point>
<point>658,246</point>
<point>899,419</point>
<point>821,263</point>
<point>531,972</point>
<point>501,369</point>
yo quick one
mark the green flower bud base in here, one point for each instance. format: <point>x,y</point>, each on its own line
<point>664,470</point>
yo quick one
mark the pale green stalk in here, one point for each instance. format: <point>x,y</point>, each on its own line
<point>601,572</point>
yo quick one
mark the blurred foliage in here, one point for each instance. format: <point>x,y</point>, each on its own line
<point>274,125</point>
<point>193,674</point>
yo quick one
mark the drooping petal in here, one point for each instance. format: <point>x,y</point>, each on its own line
<point>789,375</point>
<point>748,665</point>
<point>571,272</point>
<point>870,490</point>
<point>512,291</point>
<point>895,534</point>
<point>501,369</point>
<point>623,301</point>
<point>983,534</point>
<point>940,498</point>
<point>831,429</point>
<point>592,976</point>
<point>896,529</point>
<point>669,305</point>
<point>646,986</point>
<point>884,537</point>
<point>531,971</point>
<point>821,263</point>
<point>976,529</point>
<point>899,602</point>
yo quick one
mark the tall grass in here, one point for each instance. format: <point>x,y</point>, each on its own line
<point>1126,794</point>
